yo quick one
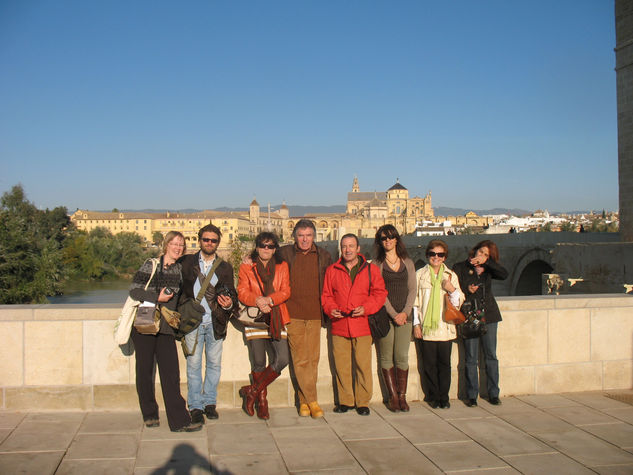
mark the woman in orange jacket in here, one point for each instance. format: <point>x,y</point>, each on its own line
<point>265,283</point>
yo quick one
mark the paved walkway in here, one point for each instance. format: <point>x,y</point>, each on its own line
<point>565,433</point>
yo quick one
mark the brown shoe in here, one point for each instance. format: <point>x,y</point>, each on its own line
<point>393,404</point>
<point>304,410</point>
<point>315,410</point>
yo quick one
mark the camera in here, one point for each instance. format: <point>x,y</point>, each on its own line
<point>168,291</point>
<point>222,289</point>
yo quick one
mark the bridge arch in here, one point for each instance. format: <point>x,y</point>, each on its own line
<point>526,275</point>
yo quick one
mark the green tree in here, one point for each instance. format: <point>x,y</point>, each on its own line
<point>239,248</point>
<point>157,238</point>
<point>568,226</point>
<point>31,258</point>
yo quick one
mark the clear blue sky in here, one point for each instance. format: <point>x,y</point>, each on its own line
<point>201,104</point>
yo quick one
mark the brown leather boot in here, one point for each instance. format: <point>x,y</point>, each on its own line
<point>393,405</point>
<point>402,375</point>
<point>263,379</point>
<point>248,404</point>
<point>262,405</point>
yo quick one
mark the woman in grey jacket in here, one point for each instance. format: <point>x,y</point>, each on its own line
<point>398,273</point>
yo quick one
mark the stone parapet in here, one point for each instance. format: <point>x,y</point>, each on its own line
<point>63,356</point>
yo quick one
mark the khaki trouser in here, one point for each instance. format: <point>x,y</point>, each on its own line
<point>304,338</point>
<point>359,350</point>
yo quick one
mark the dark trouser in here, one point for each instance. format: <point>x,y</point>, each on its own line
<point>258,354</point>
<point>163,347</point>
<point>489,347</point>
<point>436,362</point>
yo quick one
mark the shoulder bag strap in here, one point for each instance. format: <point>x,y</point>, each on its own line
<point>154,267</point>
<point>207,279</point>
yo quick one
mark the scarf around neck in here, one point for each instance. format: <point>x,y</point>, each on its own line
<point>434,309</point>
<point>267,275</point>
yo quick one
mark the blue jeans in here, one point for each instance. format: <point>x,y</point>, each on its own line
<point>489,347</point>
<point>198,396</point>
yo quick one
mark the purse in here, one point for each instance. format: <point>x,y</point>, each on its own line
<point>475,324</point>
<point>379,323</point>
<point>123,325</point>
<point>253,316</point>
<point>451,313</point>
<point>191,310</point>
<point>172,317</point>
<point>147,320</point>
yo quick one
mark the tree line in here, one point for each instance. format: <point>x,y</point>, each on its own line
<point>41,250</point>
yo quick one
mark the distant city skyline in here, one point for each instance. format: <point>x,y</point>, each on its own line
<point>157,105</point>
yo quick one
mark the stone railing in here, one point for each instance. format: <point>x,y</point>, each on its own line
<point>64,357</point>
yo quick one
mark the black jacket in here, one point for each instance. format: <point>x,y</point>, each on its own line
<point>191,271</point>
<point>492,270</point>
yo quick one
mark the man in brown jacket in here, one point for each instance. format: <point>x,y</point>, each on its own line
<point>307,264</point>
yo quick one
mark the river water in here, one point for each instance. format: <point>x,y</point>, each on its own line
<point>112,291</point>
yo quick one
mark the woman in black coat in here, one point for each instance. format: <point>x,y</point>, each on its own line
<point>475,278</point>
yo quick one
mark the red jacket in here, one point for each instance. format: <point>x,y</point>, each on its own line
<point>340,293</point>
<point>248,287</point>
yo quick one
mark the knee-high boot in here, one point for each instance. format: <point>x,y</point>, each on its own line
<point>390,381</point>
<point>245,390</point>
<point>252,393</point>
<point>402,376</point>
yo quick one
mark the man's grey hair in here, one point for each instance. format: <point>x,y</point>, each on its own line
<point>302,224</point>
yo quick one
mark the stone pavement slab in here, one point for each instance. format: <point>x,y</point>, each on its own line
<point>315,448</point>
<point>580,415</point>
<point>547,463</point>
<point>586,449</point>
<point>619,434</point>
<point>547,400</point>
<point>41,463</point>
<point>376,456</point>
<point>351,426</point>
<point>96,467</point>
<point>427,429</point>
<point>236,439</point>
<point>461,456</point>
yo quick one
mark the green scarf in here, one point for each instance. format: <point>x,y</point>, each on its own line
<point>434,309</point>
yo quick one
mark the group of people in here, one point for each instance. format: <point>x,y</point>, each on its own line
<point>298,289</point>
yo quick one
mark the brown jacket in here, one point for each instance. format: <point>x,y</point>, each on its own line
<point>289,252</point>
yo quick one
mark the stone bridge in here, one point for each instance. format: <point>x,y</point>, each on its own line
<point>528,256</point>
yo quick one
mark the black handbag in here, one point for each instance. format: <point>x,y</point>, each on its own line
<point>475,324</point>
<point>379,322</point>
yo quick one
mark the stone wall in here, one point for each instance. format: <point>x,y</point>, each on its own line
<point>63,357</point>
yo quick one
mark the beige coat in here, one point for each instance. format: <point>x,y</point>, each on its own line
<point>445,331</point>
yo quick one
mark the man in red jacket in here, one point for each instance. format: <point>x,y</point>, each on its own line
<point>352,290</point>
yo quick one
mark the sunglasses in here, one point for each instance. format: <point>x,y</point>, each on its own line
<point>384,238</point>
<point>438,254</point>
<point>267,246</point>
<point>213,240</point>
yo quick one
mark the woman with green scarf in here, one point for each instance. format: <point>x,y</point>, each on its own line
<point>434,281</point>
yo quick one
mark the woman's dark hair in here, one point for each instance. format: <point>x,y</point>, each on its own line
<point>436,243</point>
<point>493,250</point>
<point>390,231</point>
<point>261,239</point>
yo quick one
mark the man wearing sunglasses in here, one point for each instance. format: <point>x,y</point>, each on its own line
<point>207,339</point>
